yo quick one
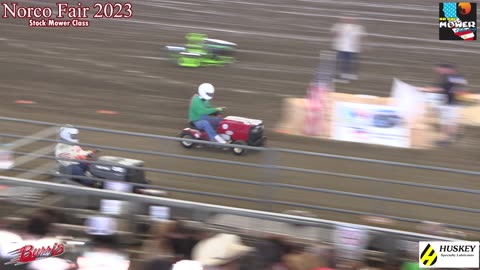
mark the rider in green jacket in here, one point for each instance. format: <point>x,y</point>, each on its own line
<point>200,111</point>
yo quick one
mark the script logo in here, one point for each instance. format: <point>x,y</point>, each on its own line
<point>29,253</point>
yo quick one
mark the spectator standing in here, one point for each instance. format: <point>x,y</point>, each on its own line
<point>104,253</point>
<point>347,44</point>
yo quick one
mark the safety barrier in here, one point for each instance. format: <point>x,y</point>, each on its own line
<point>212,217</point>
<point>276,180</point>
<point>204,207</point>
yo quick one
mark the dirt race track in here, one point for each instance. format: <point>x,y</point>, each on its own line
<point>118,65</point>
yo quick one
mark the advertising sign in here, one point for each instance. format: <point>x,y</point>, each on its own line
<point>366,123</point>
<point>460,254</point>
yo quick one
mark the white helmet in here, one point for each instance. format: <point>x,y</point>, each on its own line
<point>69,134</point>
<point>206,91</point>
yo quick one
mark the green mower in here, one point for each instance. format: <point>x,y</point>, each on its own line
<point>202,51</point>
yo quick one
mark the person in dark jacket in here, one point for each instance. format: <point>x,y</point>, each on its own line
<point>450,84</point>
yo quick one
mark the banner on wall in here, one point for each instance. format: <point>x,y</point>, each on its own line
<point>373,124</point>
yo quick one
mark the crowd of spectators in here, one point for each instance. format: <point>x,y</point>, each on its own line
<point>176,245</point>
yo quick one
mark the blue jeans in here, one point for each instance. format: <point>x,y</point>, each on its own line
<point>209,125</point>
<point>79,170</point>
<point>347,62</point>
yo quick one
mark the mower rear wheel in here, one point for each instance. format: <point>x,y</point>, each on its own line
<point>187,144</point>
<point>237,150</point>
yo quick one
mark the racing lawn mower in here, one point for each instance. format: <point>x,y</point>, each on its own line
<point>234,130</point>
<point>116,169</point>
<point>202,51</point>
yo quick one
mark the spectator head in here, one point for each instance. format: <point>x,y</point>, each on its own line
<point>162,264</point>
<point>220,251</point>
<point>270,252</point>
<point>53,215</point>
<point>38,225</point>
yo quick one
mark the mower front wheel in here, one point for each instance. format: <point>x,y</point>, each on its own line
<point>237,150</point>
<point>264,142</point>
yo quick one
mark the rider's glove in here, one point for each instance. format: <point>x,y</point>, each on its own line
<point>220,109</point>
<point>90,154</point>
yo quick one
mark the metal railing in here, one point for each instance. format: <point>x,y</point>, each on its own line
<point>272,186</point>
<point>204,207</point>
<point>300,229</point>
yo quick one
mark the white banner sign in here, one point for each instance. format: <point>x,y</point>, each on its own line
<point>410,102</point>
<point>112,207</point>
<point>366,123</point>
<point>159,212</point>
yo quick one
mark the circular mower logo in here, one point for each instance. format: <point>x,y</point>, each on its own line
<point>464,8</point>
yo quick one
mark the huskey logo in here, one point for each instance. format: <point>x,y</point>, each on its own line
<point>449,254</point>
<point>428,256</point>
<point>29,253</point>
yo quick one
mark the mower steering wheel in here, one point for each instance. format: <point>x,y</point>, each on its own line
<point>217,113</point>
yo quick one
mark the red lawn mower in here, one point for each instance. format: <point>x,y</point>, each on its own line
<point>234,130</point>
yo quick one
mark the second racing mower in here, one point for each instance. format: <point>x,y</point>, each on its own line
<point>202,51</point>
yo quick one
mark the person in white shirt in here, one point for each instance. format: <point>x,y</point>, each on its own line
<point>104,253</point>
<point>68,149</point>
<point>347,44</point>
